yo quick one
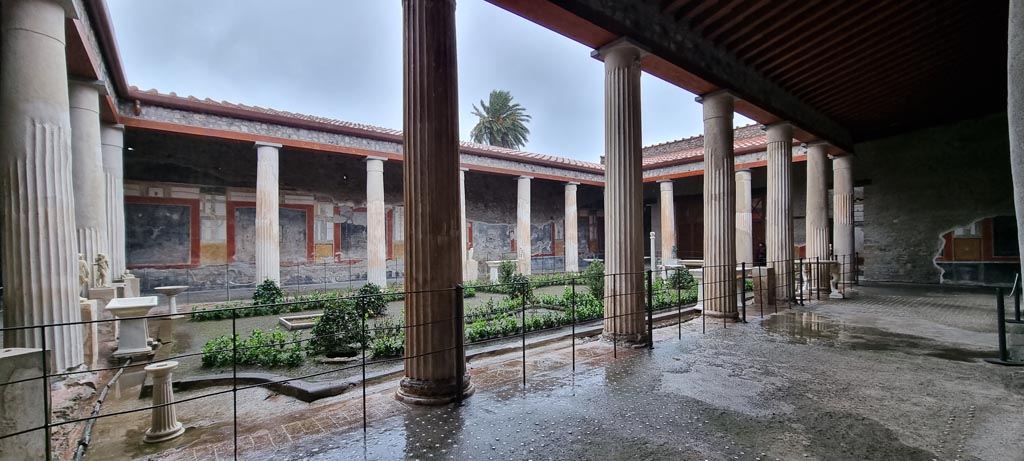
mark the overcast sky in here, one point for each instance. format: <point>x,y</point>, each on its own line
<point>342,59</point>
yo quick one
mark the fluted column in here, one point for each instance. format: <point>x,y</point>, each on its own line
<point>719,207</point>
<point>623,195</point>
<point>463,225</point>
<point>817,201</point>
<point>39,260</point>
<point>164,423</point>
<point>572,243</point>
<point>744,220</point>
<point>268,213</point>
<point>779,207</point>
<point>1015,112</point>
<point>435,359</point>
<point>88,175</point>
<point>376,225</point>
<point>524,241</point>
<point>668,220</point>
<point>112,140</point>
<point>842,214</point>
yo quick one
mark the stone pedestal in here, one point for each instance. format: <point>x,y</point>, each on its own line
<point>719,207</point>
<point>103,296</point>
<point>268,217</point>
<point>90,312</point>
<point>842,217</point>
<point>744,219</point>
<point>132,287</point>
<point>112,141</point>
<point>764,286</point>
<point>376,225</point>
<point>492,270</point>
<point>133,339</point>
<point>818,276</point>
<point>623,194</point>
<point>435,368</point>
<point>23,404</point>
<point>165,425</point>
<point>778,207</point>
<point>172,292</point>
<point>817,202</point>
<point>572,249</point>
<point>524,239</point>
<point>40,259</point>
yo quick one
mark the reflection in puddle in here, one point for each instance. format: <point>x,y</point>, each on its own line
<point>803,327</point>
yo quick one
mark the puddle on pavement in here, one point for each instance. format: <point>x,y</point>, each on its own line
<point>812,328</point>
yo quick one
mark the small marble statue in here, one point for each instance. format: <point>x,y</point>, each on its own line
<point>83,274</point>
<point>127,275</point>
<point>102,266</point>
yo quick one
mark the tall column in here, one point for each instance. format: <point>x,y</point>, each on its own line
<point>668,220</point>
<point>779,207</point>
<point>463,226</point>
<point>88,175</point>
<point>623,195</point>
<point>268,214</point>
<point>524,241</point>
<point>744,220</point>
<point>112,140</point>
<point>572,243</point>
<point>817,201</point>
<point>1015,111</point>
<point>376,227</point>
<point>435,363</point>
<point>842,214</point>
<point>40,266</point>
<point>719,207</point>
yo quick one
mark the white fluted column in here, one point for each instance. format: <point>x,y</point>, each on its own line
<point>842,215</point>
<point>268,213</point>
<point>1015,108</point>
<point>464,226</point>
<point>524,241</point>
<point>88,175</point>
<point>376,225</point>
<point>818,238</point>
<point>779,207</point>
<point>719,207</point>
<point>744,220</point>
<point>667,205</point>
<point>39,260</point>
<point>623,195</point>
<point>112,140</point>
<point>572,243</point>
<point>435,363</point>
<point>164,423</point>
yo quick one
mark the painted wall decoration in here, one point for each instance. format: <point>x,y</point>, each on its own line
<point>491,241</point>
<point>351,223</point>
<point>293,229</point>
<point>542,239</point>
<point>158,234</point>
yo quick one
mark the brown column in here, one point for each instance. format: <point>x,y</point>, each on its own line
<point>623,195</point>
<point>434,362</point>
<point>719,207</point>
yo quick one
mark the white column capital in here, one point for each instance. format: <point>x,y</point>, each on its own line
<point>746,172</point>
<point>463,169</point>
<point>665,185</point>
<point>374,157</point>
<point>572,183</point>
<point>524,177</point>
<point>260,144</point>
<point>621,49</point>
<point>717,104</point>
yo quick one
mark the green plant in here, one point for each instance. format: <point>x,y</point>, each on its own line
<point>501,122</point>
<point>519,286</point>
<point>681,278</point>
<point>338,329</point>
<point>505,271</point>
<point>267,292</point>
<point>370,299</point>
<point>593,278</point>
<point>270,349</point>
<point>388,339</point>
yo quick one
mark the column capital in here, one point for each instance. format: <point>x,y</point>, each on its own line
<point>720,103</point>
<point>463,169</point>
<point>259,144</point>
<point>374,157</point>
<point>779,132</point>
<point>572,183</point>
<point>744,172</point>
<point>842,162</point>
<point>717,94</point>
<point>97,85</point>
<point>524,177</point>
<point>620,45</point>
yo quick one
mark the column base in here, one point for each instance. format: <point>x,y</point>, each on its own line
<point>420,392</point>
<point>164,436</point>
<point>627,339</point>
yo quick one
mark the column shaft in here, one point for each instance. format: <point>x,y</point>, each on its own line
<point>40,266</point>
<point>1015,112</point>
<point>432,233</point>
<point>744,219</point>
<point>112,139</point>
<point>842,213</point>
<point>268,228</point>
<point>463,225</point>
<point>668,221</point>
<point>817,202</point>
<point>524,239</point>
<point>572,249</point>
<point>719,207</point>
<point>779,207</point>
<point>623,196</point>
<point>88,175</point>
<point>376,241</point>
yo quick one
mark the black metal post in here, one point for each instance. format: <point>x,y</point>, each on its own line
<point>1016,298</point>
<point>760,288</point>
<point>800,286</point>
<point>46,397</point>
<point>817,280</point>
<point>679,304</point>
<point>572,307</point>
<point>1004,354</point>
<point>458,330</point>
<point>650,309</point>
<point>227,281</point>
<point>362,323</point>
<point>522,328</point>
<point>743,289</point>
<point>234,382</point>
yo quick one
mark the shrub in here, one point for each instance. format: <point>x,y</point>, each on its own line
<point>260,349</point>
<point>371,300</point>
<point>519,286</point>
<point>388,339</point>
<point>681,279</point>
<point>593,278</point>
<point>468,292</point>
<point>337,330</point>
<point>505,271</point>
<point>267,293</point>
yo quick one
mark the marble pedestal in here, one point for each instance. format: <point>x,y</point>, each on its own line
<point>90,312</point>
<point>172,292</point>
<point>764,286</point>
<point>492,269</point>
<point>134,332</point>
<point>165,425</point>
<point>132,287</point>
<point>21,404</point>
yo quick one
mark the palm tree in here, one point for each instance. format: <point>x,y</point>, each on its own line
<point>502,122</point>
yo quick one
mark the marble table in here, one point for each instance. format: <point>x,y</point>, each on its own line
<point>134,332</point>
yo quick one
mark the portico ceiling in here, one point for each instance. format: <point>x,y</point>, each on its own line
<point>841,70</point>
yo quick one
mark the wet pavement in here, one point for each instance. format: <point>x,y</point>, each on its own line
<point>892,374</point>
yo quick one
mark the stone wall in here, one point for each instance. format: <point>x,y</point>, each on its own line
<point>921,185</point>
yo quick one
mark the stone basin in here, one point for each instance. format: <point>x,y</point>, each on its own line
<point>131,307</point>
<point>133,334</point>
<point>173,290</point>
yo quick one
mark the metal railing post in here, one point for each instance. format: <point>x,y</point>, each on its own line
<point>650,309</point>
<point>522,329</point>
<point>46,397</point>
<point>1004,354</point>
<point>234,382</point>
<point>572,307</point>
<point>743,289</point>
<point>363,341</point>
<point>817,280</point>
<point>458,326</point>
<point>800,286</point>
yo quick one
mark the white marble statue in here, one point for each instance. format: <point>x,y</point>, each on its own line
<point>83,274</point>
<point>102,266</point>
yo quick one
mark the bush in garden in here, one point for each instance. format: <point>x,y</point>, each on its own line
<point>261,349</point>
<point>371,300</point>
<point>335,332</point>
<point>593,278</point>
<point>267,292</point>
<point>505,271</point>
<point>388,339</point>
<point>681,279</point>
<point>519,286</point>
